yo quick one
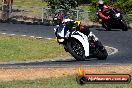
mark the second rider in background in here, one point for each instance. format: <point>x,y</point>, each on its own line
<point>101,8</point>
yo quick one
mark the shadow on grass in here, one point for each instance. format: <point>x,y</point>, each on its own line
<point>28,21</point>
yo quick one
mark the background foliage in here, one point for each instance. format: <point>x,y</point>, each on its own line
<point>62,4</point>
<point>123,5</point>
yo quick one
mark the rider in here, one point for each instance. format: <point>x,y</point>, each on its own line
<point>102,7</point>
<point>60,20</point>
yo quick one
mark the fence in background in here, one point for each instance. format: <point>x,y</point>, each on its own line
<point>24,13</point>
<point>45,15</point>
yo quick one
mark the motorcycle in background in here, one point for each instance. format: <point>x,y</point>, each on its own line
<point>116,20</point>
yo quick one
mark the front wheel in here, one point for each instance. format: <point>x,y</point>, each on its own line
<point>76,49</point>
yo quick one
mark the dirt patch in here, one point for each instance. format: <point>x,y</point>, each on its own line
<point>38,73</point>
<point>89,23</point>
<point>32,74</point>
<point>130,25</point>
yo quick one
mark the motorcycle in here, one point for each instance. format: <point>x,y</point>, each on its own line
<point>82,44</point>
<point>116,20</point>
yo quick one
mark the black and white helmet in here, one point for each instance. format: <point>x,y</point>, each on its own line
<point>101,4</point>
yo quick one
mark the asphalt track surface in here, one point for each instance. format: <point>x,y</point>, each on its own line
<point>116,38</point>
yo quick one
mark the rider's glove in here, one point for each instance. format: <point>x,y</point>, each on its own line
<point>106,18</point>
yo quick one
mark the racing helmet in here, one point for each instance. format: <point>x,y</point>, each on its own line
<point>101,4</point>
<point>58,18</point>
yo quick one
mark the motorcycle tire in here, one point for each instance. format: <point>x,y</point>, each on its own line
<point>124,26</point>
<point>101,52</point>
<point>70,44</point>
<point>101,55</point>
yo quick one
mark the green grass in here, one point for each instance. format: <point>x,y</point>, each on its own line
<point>37,3</point>
<point>15,48</point>
<point>65,82</point>
<point>86,7</point>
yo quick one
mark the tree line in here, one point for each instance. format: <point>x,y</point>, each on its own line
<point>123,5</point>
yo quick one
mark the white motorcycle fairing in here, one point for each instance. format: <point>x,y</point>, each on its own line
<point>83,39</point>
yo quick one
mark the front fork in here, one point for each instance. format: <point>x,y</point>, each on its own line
<point>93,36</point>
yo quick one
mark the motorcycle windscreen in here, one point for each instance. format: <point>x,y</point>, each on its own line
<point>61,31</point>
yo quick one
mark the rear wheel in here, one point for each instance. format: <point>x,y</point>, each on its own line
<point>101,52</point>
<point>76,49</point>
<point>124,26</point>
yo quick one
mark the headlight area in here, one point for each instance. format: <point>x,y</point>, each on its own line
<point>60,40</point>
<point>118,15</point>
